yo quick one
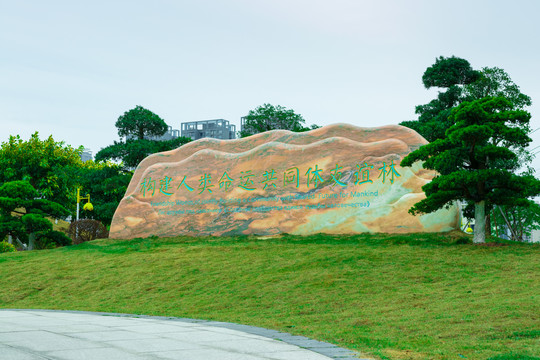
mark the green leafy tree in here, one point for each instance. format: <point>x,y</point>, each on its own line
<point>106,183</point>
<point>496,82</point>
<point>462,83</point>
<point>49,166</point>
<point>23,215</point>
<point>476,160</point>
<point>519,220</point>
<point>133,151</point>
<point>140,123</point>
<point>452,74</point>
<point>269,117</point>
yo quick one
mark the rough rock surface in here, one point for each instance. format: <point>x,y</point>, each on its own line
<point>337,179</point>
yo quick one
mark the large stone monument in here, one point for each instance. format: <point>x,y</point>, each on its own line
<point>338,179</point>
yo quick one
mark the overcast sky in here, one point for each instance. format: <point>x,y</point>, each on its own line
<point>71,68</point>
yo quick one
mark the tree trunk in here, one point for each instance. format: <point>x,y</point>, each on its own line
<point>21,245</point>
<point>479,222</point>
<point>514,237</point>
<point>31,242</point>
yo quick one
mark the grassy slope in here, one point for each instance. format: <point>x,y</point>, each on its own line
<point>396,297</point>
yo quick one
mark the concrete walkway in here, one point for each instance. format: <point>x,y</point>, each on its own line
<point>71,335</point>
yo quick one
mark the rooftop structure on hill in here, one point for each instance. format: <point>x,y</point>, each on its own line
<point>216,128</point>
<point>86,155</point>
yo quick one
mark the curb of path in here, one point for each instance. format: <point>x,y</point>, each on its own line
<point>330,350</point>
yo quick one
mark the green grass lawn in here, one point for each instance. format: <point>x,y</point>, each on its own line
<point>421,296</point>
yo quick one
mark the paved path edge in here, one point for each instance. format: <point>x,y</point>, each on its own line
<point>321,347</point>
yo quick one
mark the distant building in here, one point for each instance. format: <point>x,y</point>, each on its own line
<point>86,155</point>
<point>217,128</point>
<point>535,236</point>
<point>243,126</point>
<point>169,135</point>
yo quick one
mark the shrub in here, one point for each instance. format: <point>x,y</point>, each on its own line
<point>464,240</point>
<point>86,230</point>
<point>51,240</point>
<point>6,247</point>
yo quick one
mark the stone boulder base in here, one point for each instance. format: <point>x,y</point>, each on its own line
<point>339,179</point>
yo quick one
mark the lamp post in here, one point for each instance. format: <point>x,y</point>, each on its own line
<point>88,206</point>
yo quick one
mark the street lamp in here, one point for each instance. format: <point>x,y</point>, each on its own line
<point>88,206</point>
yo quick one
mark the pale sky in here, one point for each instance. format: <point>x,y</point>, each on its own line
<point>71,68</point>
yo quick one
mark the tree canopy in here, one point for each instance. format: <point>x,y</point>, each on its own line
<point>462,83</point>
<point>518,222</point>
<point>106,183</point>
<point>496,82</point>
<point>133,151</point>
<point>452,74</point>
<point>23,212</point>
<point>140,123</point>
<point>269,117</point>
<point>476,160</point>
<point>48,166</point>
<point>448,72</point>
